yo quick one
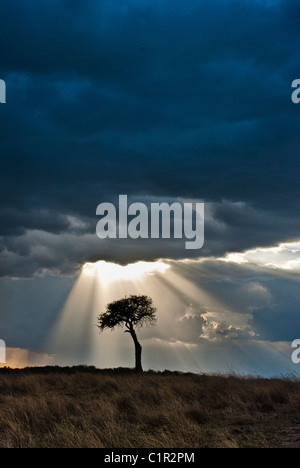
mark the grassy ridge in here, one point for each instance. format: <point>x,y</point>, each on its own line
<point>83,407</point>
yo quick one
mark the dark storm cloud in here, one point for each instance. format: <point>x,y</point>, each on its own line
<point>16,222</point>
<point>167,99</point>
<point>62,244</point>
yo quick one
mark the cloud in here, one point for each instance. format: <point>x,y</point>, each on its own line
<point>108,99</point>
<point>282,257</point>
<point>103,95</point>
<point>20,358</point>
<point>163,101</point>
<point>46,241</point>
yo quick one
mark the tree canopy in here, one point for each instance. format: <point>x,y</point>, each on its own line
<point>129,312</point>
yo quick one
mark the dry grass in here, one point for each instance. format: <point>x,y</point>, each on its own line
<point>123,410</point>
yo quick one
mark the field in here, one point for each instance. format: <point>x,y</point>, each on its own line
<point>83,407</point>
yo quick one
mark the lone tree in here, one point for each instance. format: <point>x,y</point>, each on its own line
<point>131,312</point>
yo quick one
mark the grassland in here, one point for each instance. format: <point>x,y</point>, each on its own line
<point>82,407</point>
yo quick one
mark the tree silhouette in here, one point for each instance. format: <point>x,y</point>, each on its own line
<point>131,312</point>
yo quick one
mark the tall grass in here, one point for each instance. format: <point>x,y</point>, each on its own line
<point>120,410</point>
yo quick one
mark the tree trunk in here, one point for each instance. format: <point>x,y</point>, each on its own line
<point>138,352</point>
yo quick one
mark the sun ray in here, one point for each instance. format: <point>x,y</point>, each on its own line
<point>75,337</point>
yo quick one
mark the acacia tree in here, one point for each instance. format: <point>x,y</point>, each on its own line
<point>131,312</point>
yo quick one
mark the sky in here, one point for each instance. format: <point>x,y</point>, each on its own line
<point>163,101</point>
